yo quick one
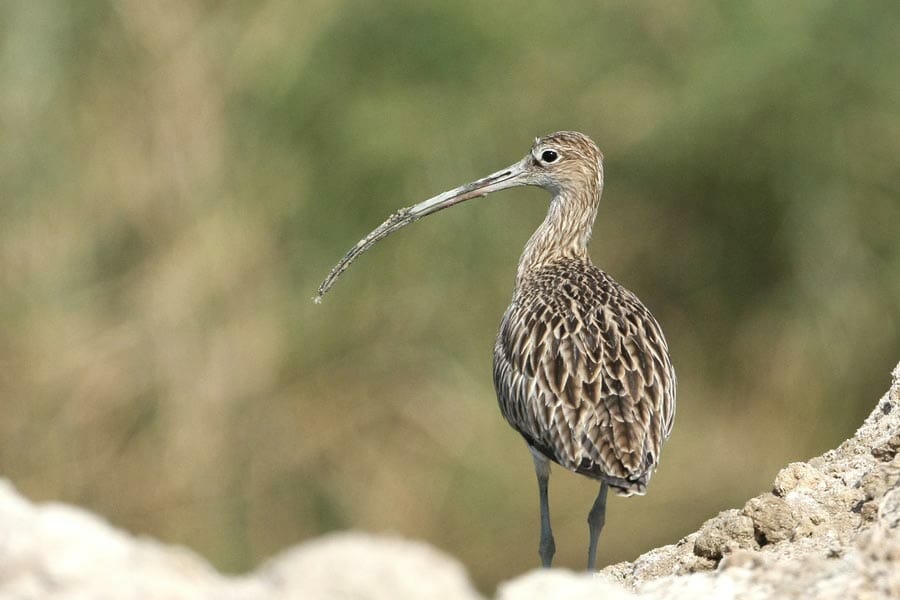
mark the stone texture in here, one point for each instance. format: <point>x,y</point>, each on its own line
<point>724,533</point>
<point>773,519</point>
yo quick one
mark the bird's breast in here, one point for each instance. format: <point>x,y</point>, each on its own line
<point>582,371</point>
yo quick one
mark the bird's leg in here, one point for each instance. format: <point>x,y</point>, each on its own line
<point>596,519</point>
<point>547,547</point>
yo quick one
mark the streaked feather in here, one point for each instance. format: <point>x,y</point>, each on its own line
<point>582,371</point>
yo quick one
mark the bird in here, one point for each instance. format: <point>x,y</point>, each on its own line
<point>581,368</point>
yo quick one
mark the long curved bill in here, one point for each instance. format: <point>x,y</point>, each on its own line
<point>506,178</point>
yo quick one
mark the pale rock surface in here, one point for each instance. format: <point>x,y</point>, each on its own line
<point>361,565</point>
<point>57,552</point>
<point>828,529</point>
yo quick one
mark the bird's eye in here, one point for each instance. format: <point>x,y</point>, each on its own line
<point>549,156</point>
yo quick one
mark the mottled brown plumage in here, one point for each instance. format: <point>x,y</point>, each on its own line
<point>581,367</point>
<point>582,371</point>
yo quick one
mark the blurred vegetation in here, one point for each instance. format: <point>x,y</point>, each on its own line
<point>176,177</point>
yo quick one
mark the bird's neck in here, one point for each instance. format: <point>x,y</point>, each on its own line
<point>564,234</point>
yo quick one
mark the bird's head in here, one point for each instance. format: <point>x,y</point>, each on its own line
<point>563,163</point>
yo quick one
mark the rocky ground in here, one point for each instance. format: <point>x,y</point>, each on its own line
<point>828,528</point>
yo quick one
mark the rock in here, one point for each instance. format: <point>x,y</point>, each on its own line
<point>724,533</point>
<point>674,559</point>
<point>888,450</point>
<point>557,583</point>
<point>57,551</point>
<point>799,475</point>
<point>361,565</point>
<point>772,518</point>
<point>53,551</point>
<point>829,530</point>
<point>875,484</point>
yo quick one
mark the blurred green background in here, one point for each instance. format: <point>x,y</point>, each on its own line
<point>176,178</point>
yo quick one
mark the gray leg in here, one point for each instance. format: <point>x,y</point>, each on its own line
<point>596,519</point>
<point>547,547</point>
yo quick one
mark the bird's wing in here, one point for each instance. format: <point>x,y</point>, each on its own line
<point>585,376</point>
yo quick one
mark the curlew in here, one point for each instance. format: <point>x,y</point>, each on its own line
<point>581,368</point>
